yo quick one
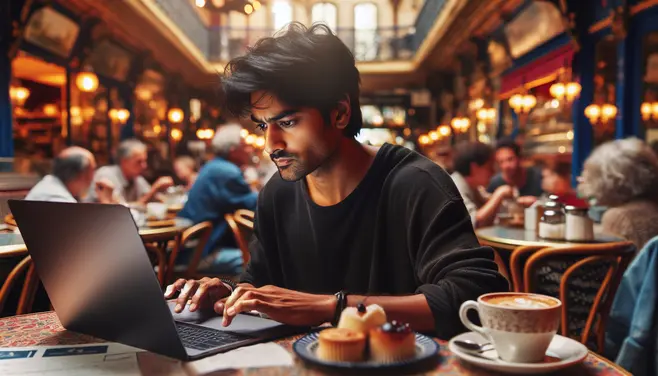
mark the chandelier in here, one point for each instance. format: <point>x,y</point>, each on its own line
<point>600,114</point>
<point>18,94</point>
<point>649,110</point>
<point>486,114</point>
<point>460,124</point>
<point>175,115</point>
<point>522,103</point>
<point>568,91</point>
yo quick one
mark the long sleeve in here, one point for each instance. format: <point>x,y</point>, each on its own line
<point>257,271</point>
<point>449,262</point>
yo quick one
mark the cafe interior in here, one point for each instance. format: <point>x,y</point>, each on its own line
<point>558,94</point>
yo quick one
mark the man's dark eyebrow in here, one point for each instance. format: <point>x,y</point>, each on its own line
<point>275,117</point>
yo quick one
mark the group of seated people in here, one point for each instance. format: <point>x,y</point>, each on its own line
<point>217,189</point>
<point>620,175</point>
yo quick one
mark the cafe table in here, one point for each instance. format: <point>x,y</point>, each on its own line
<point>12,243</point>
<point>509,238</point>
<point>44,329</point>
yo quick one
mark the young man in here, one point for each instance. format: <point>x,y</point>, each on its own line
<point>512,173</point>
<point>473,169</point>
<point>342,222</point>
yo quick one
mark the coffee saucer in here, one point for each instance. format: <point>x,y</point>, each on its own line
<point>562,352</point>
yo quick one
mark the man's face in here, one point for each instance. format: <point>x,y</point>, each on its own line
<point>88,175</point>
<point>182,170</point>
<point>135,165</point>
<point>297,139</point>
<point>507,161</point>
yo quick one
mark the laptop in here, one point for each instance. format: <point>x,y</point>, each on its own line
<point>98,276</point>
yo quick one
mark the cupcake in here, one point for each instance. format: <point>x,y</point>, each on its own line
<point>392,342</point>
<point>362,318</point>
<point>341,345</point>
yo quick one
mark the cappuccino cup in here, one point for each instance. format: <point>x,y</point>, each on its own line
<point>520,326</point>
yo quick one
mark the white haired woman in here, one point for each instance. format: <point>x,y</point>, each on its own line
<point>623,175</point>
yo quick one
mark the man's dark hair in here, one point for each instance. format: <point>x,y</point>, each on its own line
<point>302,67</point>
<point>471,152</point>
<point>69,167</point>
<point>509,144</point>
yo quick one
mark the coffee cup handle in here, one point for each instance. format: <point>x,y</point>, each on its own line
<point>463,310</point>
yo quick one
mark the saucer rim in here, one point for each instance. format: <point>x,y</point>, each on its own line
<point>518,366</point>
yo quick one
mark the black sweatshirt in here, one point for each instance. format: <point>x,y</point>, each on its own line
<point>403,230</point>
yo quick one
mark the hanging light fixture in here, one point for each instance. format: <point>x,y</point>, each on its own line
<point>600,114</point>
<point>205,134</point>
<point>200,3</point>
<point>486,114</point>
<point>175,115</point>
<point>424,139</point>
<point>522,103</point>
<point>176,134</point>
<point>18,94</point>
<point>444,130</point>
<point>87,81</point>
<point>460,124</point>
<point>649,110</point>
<point>248,9</point>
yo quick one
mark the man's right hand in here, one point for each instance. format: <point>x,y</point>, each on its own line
<point>163,183</point>
<point>504,191</point>
<point>203,293</point>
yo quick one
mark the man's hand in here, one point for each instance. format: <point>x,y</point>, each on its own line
<point>163,183</point>
<point>526,201</point>
<point>104,191</point>
<point>504,191</point>
<point>204,293</point>
<point>282,305</point>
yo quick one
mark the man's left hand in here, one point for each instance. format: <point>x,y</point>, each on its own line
<point>282,305</point>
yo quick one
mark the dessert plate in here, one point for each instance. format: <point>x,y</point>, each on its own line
<point>306,347</point>
<point>562,352</point>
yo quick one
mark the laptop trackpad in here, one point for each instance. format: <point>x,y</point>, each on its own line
<point>246,324</point>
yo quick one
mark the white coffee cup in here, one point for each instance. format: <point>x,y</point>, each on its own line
<point>156,210</point>
<point>521,326</point>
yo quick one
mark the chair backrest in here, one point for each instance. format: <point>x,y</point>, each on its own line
<point>200,233</point>
<point>24,267</point>
<point>242,229</point>
<point>584,277</point>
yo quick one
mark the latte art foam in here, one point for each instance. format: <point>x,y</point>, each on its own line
<point>520,302</point>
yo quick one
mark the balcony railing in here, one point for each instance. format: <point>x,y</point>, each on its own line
<point>382,44</point>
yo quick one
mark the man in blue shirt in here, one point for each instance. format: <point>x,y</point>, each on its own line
<point>220,189</point>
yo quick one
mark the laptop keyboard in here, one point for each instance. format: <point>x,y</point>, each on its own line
<point>200,338</point>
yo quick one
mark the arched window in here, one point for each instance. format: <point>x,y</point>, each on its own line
<point>366,43</point>
<point>326,13</point>
<point>281,13</point>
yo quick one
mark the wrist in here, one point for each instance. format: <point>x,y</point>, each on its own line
<point>327,305</point>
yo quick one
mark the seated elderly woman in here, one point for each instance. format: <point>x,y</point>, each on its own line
<point>623,175</point>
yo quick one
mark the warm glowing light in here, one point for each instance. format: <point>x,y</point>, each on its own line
<point>50,109</point>
<point>157,129</point>
<point>555,103</point>
<point>260,142</point>
<point>248,8</point>
<point>377,120</point>
<point>434,135</point>
<point>476,104</point>
<point>76,111</point>
<point>568,91</point>
<point>250,139</point>
<point>424,139</point>
<point>570,135</point>
<point>646,110</point>
<point>602,114</point>
<point>205,134</point>
<point>608,111</point>
<point>444,130</point>
<point>19,94</point>
<point>593,112</point>
<point>256,4</point>
<point>406,132</point>
<point>87,82</point>
<point>218,3</point>
<point>122,115</point>
<point>88,112</point>
<point>562,149</point>
<point>573,90</point>
<point>244,133</point>
<point>460,124</point>
<point>176,134</point>
<point>200,3</point>
<point>486,114</point>
<point>175,115</point>
<point>558,90</point>
<point>522,103</point>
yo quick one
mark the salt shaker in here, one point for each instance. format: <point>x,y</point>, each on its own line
<point>552,225</point>
<point>579,226</point>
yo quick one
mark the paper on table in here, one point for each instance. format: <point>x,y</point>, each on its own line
<point>13,353</point>
<point>261,355</point>
<point>84,365</point>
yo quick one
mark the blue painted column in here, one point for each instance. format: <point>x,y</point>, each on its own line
<point>629,87</point>
<point>582,128</point>
<point>6,121</point>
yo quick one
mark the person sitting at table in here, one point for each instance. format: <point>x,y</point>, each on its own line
<point>623,175</point>
<point>556,180</point>
<point>341,222</point>
<point>473,165</point>
<point>185,168</point>
<point>71,178</point>
<point>526,180</point>
<point>126,176</point>
<point>220,189</point>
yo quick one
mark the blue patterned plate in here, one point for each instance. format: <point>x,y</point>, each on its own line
<point>426,351</point>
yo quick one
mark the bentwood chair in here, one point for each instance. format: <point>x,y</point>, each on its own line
<point>584,277</point>
<point>25,268</point>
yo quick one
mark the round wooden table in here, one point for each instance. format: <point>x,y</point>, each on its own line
<point>509,238</point>
<point>44,329</point>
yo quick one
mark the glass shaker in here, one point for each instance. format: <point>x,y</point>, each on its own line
<point>552,224</point>
<point>579,226</point>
